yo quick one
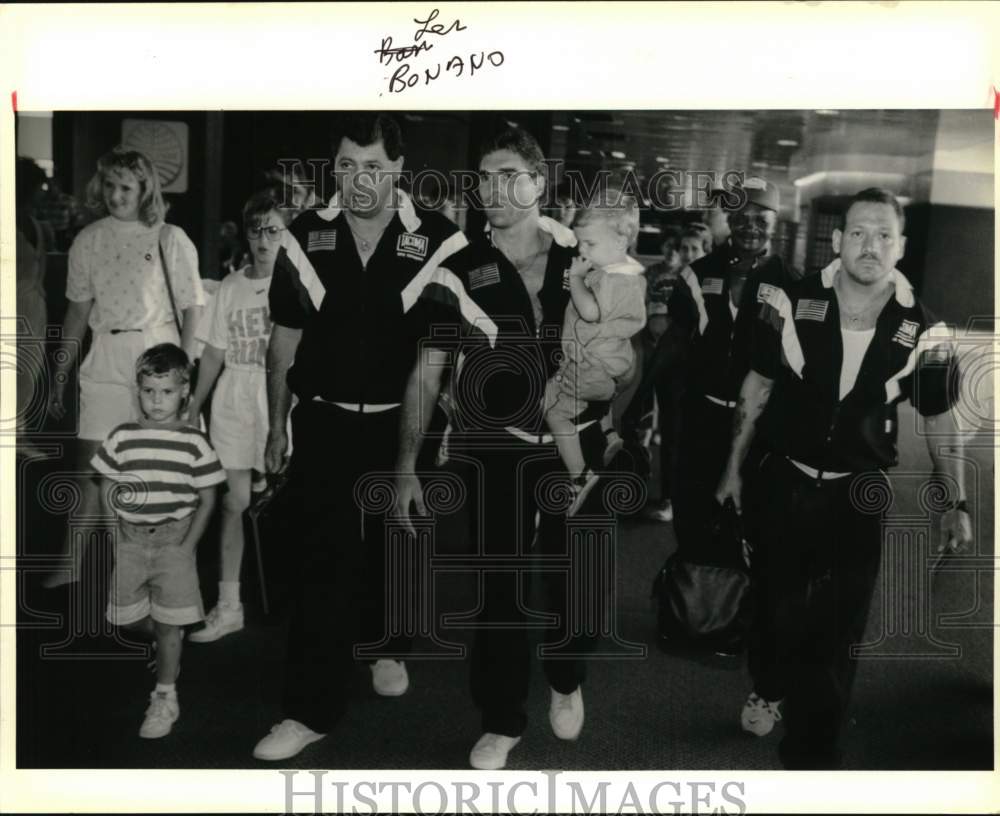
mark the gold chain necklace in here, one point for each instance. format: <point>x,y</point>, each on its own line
<point>366,243</point>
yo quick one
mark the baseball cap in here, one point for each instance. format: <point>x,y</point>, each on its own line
<point>760,192</point>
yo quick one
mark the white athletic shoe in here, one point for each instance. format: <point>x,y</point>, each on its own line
<point>759,715</point>
<point>566,714</point>
<point>389,678</point>
<point>286,739</point>
<point>222,620</point>
<point>490,752</point>
<point>161,715</point>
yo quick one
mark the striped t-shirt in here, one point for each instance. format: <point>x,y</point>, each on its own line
<point>164,467</point>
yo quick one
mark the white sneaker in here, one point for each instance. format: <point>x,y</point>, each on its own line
<point>490,752</point>
<point>566,714</point>
<point>286,739</point>
<point>161,715</point>
<point>222,620</point>
<point>759,715</point>
<point>389,678</point>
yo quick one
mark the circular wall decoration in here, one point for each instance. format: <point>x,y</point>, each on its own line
<point>162,142</point>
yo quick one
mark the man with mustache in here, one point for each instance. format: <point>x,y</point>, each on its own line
<point>343,343</point>
<point>833,356</point>
<point>712,312</point>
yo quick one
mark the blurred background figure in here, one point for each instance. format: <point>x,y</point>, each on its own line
<point>717,219</point>
<point>61,212</point>
<point>696,242</point>
<point>32,311</point>
<point>455,209</point>
<point>565,209</point>
<point>232,252</point>
<point>293,189</point>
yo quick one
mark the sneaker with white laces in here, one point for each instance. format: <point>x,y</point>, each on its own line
<point>490,752</point>
<point>759,715</point>
<point>389,678</point>
<point>581,486</point>
<point>222,620</point>
<point>566,714</point>
<point>161,715</point>
<point>286,739</point>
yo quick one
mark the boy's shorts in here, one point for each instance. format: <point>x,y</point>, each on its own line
<point>239,424</point>
<point>572,387</point>
<point>109,395</point>
<point>153,576</point>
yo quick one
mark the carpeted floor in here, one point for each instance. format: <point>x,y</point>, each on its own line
<point>923,699</point>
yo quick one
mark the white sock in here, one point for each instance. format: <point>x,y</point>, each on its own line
<point>229,592</point>
<point>170,689</point>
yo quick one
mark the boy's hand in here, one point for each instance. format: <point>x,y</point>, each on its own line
<point>579,268</point>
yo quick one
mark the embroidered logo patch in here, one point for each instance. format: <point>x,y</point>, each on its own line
<point>765,292</point>
<point>711,286</point>
<point>411,245</point>
<point>484,276</point>
<point>906,334</point>
<point>322,241</point>
<point>808,309</point>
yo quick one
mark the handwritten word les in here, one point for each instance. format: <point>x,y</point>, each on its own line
<point>404,78</point>
<point>427,28</point>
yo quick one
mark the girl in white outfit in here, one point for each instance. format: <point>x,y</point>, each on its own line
<point>238,331</point>
<point>116,286</point>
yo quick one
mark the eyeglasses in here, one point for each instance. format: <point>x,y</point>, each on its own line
<point>271,232</point>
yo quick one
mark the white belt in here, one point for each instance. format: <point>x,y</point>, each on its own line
<point>817,474</point>
<point>718,401</point>
<point>367,408</point>
<point>541,439</point>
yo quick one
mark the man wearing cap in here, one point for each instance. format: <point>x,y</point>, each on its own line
<point>833,356</point>
<point>712,313</point>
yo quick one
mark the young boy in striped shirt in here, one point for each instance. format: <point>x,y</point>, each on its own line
<point>164,475</point>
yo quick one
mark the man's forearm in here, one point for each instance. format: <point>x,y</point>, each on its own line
<point>942,433</point>
<point>280,354</point>
<point>754,394</point>
<point>422,390</point>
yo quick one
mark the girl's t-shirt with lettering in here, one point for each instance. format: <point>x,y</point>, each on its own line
<point>241,321</point>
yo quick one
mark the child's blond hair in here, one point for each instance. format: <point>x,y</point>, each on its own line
<point>616,208</point>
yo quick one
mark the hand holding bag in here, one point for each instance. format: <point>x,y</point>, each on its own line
<point>708,606</point>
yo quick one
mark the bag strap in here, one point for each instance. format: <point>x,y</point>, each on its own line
<point>162,243</point>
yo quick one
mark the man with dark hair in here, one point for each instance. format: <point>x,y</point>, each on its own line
<point>833,356</point>
<point>340,312</point>
<point>504,297</point>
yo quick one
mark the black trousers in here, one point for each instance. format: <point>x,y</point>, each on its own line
<point>509,478</point>
<point>703,448</point>
<point>340,599</point>
<point>815,566</point>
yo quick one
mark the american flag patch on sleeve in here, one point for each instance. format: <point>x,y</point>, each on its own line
<point>321,241</point>
<point>906,334</point>
<point>484,276</point>
<point>809,309</point>
<point>711,286</point>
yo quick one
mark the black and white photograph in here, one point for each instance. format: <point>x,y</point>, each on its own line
<point>416,438</point>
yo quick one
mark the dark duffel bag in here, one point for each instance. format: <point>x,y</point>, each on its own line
<point>708,606</point>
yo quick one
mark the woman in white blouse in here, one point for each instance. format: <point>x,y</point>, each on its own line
<point>116,286</point>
